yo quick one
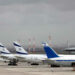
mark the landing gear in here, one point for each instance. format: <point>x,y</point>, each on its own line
<point>13,62</point>
<point>73,64</point>
<point>55,66</point>
<point>34,64</point>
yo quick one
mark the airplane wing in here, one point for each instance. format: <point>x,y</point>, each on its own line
<point>48,61</point>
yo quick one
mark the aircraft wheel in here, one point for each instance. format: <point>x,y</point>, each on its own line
<point>73,64</point>
<point>12,63</point>
<point>34,64</point>
<point>55,66</point>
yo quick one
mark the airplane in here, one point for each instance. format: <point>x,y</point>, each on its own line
<point>3,60</point>
<point>57,60</point>
<point>22,54</point>
<point>5,54</point>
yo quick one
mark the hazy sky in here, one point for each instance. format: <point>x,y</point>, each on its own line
<point>24,19</point>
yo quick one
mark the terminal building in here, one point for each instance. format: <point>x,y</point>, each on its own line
<point>70,50</point>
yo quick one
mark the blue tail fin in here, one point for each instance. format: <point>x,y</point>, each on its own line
<point>49,51</point>
<point>3,50</point>
<point>19,49</point>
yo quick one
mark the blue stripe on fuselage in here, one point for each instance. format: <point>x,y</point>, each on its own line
<point>65,60</point>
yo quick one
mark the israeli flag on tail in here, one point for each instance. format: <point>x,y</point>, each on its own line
<point>19,49</point>
<point>3,50</point>
<point>49,51</point>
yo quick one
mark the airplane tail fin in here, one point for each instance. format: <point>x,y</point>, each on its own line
<point>19,48</point>
<point>49,51</point>
<point>3,49</point>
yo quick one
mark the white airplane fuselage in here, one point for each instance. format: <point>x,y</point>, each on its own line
<point>63,60</point>
<point>56,59</point>
<point>8,56</point>
<point>32,58</point>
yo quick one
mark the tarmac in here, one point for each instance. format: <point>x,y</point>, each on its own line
<point>27,69</point>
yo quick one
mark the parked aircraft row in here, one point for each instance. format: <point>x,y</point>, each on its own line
<point>21,55</point>
<point>51,56</point>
